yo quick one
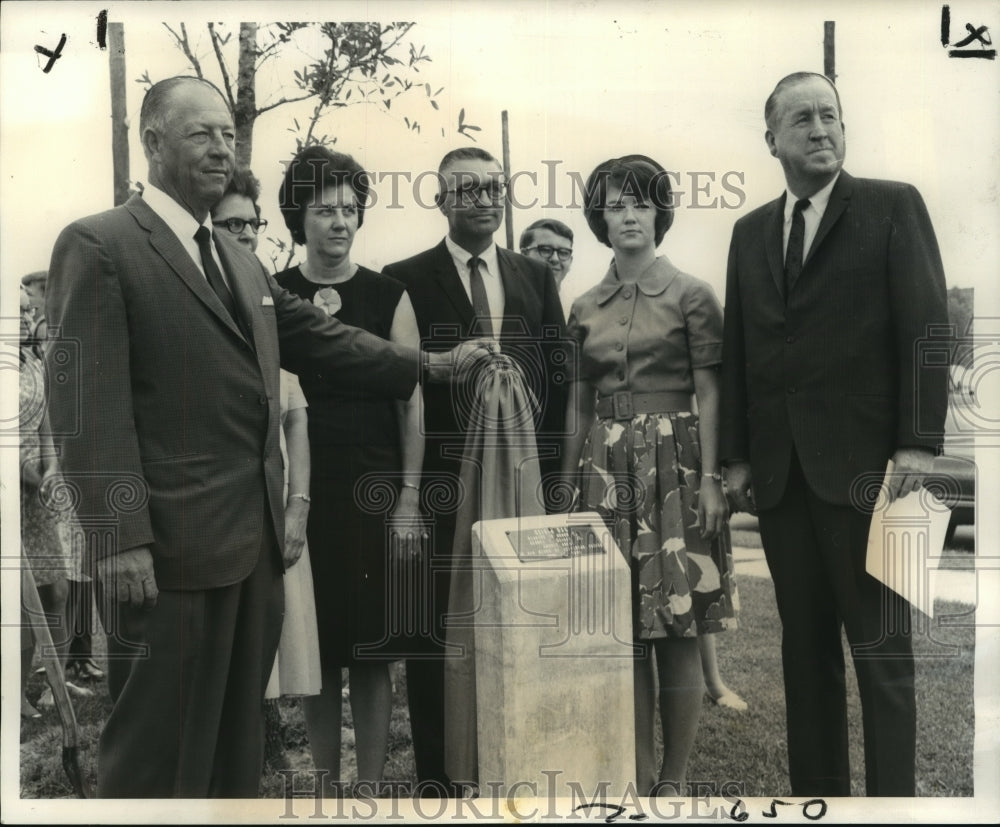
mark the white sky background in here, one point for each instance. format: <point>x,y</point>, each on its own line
<point>582,81</point>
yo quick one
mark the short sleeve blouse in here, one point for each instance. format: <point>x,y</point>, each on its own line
<point>290,393</point>
<point>648,336</point>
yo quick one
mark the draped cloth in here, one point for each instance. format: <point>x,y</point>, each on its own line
<point>500,477</point>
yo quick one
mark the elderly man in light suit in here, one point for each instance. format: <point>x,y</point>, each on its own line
<point>179,342</point>
<point>831,288</point>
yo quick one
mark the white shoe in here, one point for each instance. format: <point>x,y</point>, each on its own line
<point>730,700</point>
<point>79,691</point>
<point>46,700</point>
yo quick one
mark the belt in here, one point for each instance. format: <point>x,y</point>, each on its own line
<point>625,404</point>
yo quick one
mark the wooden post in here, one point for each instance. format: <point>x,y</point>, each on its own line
<point>119,115</point>
<point>829,51</point>
<point>508,208</point>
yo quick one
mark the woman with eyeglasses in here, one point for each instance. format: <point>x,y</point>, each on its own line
<point>650,338</point>
<point>238,213</point>
<point>362,446</point>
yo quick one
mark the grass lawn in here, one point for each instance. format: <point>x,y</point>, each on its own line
<point>746,749</point>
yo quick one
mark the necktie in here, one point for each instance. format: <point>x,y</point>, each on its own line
<point>796,241</point>
<point>480,304</point>
<point>215,279</point>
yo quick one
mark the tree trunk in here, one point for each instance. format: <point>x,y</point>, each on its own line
<point>246,94</point>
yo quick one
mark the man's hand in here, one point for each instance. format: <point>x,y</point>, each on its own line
<point>296,519</point>
<point>739,483</point>
<point>910,468</point>
<point>129,577</point>
<point>460,362</point>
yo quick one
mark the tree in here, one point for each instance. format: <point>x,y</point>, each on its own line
<point>358,64</point>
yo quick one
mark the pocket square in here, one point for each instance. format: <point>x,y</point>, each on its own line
<point>267,301</point>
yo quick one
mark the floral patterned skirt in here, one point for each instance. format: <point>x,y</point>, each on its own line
<point>642,476</point>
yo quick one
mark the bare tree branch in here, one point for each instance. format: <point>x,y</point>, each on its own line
<point>283,101</point>
<point>271,49</point>
<point>222,65</point>
<point>184,45</point>
<point>399,37</point>
<point>263,58</point>
<point>323,99</point>
<point>288,250</point>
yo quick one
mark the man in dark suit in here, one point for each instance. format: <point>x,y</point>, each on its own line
<point>169,432</point>
<point>831,289</point>
<point>464,287</point>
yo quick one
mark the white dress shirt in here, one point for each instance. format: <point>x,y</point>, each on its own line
<point>182,224</point>
<point>489,268</point>
<point>811,215</point>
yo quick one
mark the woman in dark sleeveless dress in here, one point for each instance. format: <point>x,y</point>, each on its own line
<point>361,446</point>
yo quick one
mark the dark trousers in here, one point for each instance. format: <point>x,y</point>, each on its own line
<point>425,699</point>
<point>187,720</point>
<point>425,668</point>
<point>816,553</point>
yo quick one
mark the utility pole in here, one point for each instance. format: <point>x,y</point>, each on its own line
<point>508,208</point>
<point>829,51</point>
<point>119,116</point>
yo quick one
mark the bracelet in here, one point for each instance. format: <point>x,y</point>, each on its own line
<point>411,485</point>
<point>303,497</point>
<point>716,476</point>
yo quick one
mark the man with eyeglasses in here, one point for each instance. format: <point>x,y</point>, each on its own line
<point>550,241</point>
<point>464,287</point>
<point>238,211</point>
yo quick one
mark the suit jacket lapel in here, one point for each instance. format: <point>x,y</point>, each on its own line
<point>514,312</point>
<point>840,197</point>
<point>246,300</point>
<point>451,285</point>
<point>163,240</point>
<point>249,289</point>
<point>774,234</point>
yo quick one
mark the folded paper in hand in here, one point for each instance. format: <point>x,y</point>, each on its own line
<point>905,544</point>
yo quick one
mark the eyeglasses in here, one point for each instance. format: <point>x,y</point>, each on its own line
<point>545,251</point>
<point>473,193</point>
<point>236,225</point>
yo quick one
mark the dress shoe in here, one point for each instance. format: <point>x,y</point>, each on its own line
<point>88,670</point>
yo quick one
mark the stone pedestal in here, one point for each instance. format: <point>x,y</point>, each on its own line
<point>553,633</point>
